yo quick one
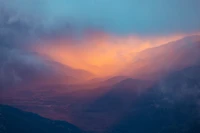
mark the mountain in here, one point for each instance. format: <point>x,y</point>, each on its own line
<point>114,103</point>
<point>120,95</point>
<point>159,91</point>
<point>18,33</point>
<point>172,105</point>
<point>18,66</point>
<point>154,63</point>
<point>13,120</point>
<point>113,80</point>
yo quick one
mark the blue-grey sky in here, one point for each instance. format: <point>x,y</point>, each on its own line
<point>145,17</point>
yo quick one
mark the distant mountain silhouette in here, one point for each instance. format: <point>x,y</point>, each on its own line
<point>13,120</point>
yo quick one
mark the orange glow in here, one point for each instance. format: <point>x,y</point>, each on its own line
<point>101,54</point>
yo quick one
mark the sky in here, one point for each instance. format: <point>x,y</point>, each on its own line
<point>110,31</point>
<point>143,17</point>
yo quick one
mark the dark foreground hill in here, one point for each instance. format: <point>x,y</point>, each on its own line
<point>13,120</point>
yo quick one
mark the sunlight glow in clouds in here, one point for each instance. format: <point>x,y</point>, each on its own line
<point>100,53</point>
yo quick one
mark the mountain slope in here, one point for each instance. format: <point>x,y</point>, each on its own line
<point>120,95</point>
<point>113,104</point>
<point>13,120</point>
<point>170,106</point>
<point>18,66</point>
<point>156,62</point>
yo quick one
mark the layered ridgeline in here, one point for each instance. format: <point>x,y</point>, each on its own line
<point>159,87</point>
<point>18,65</point>
<point>164,88</point>
<point>102,82</point>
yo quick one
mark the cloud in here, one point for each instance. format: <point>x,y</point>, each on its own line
<point>101,54</point>
<point>117,16</point>
<point>28,21</point>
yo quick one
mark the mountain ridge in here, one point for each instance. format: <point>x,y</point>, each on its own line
<point>13,120</point>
